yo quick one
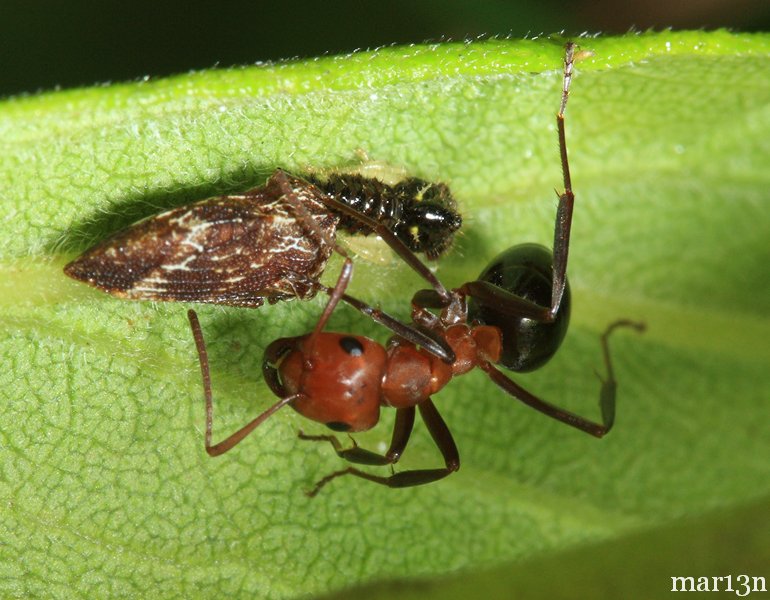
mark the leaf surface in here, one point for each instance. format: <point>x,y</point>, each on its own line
<point>104,483</point>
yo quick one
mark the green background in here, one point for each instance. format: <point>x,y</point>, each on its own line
<point>48,42</point>
<point>104,484</point>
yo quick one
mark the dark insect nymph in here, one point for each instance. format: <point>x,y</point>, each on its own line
<point>514,315</point>
<point>421,213</point>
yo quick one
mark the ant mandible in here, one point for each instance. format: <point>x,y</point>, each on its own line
<point>515,314</point>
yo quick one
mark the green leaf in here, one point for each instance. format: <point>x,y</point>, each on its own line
<point>104,483</point>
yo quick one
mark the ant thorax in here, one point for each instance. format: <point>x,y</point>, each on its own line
<point>470,343</point>
<point>455,312</point>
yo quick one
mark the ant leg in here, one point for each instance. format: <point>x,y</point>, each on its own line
<point>567,198</point>
<point>337,292</point>
<point>491,295</point>
<point>401,432</point>
<point>486,293</point>
<point>437,347</point>
<point>235,438</point>
<point>441,436</point>
<point>409,257</point>
<point>506,302</point>
<point>380,229</point>
<point>425,339</point>
<point>606,395</point>
<point>610,385</point>
<point>307,221</point>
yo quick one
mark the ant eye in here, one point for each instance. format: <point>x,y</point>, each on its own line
<point>353,347</point>
<point>338,426</point>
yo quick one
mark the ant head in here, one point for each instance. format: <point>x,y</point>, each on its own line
<point>526,271</point>
<point>337,376</point>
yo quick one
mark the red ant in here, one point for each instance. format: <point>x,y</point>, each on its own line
<point>517,317</point>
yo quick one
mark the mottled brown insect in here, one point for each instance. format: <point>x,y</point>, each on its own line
<point>270,243</point>
<point>232,250</point>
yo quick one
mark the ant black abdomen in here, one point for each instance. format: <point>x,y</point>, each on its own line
<point>421,213</point>
<point>524,270</point>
